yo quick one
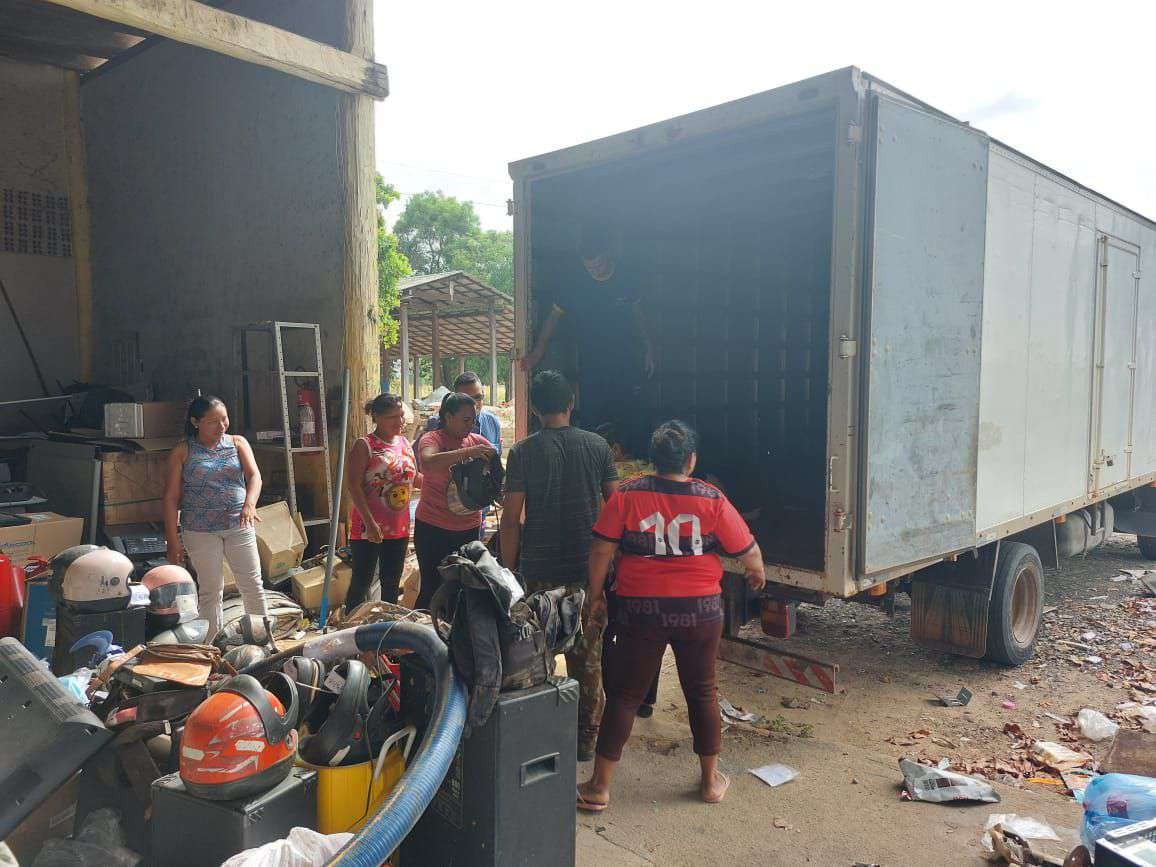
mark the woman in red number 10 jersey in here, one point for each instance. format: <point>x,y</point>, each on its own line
<point>671,530</point>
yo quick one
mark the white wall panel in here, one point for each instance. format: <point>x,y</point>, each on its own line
<point>1003,384</point>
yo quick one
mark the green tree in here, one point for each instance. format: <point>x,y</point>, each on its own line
<point>392,265</point>
<point>489,256</point>
<point>432,227</point>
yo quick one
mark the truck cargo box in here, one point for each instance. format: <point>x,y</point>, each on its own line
<point>898,338</point>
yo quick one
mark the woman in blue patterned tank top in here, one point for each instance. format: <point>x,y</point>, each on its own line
<point>211,508</point>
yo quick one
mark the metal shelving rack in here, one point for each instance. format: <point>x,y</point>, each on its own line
<point>275,331</point>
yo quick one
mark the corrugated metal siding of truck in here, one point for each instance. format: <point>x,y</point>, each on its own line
<point>925,319</point>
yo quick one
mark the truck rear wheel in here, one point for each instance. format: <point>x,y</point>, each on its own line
<point>1017,598</point>
<point>1147,546</point>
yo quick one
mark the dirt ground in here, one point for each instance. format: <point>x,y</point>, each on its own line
<point>845,806</point>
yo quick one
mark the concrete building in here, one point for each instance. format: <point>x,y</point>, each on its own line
<point>170,171</point>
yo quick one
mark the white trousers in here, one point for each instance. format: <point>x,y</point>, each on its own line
<point>208,552</point>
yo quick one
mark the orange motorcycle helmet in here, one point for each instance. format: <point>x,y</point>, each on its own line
<point>241,740</point>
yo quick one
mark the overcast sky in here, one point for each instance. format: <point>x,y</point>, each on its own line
<point>476,85</point>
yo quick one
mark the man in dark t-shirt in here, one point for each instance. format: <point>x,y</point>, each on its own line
<point>559,477</point>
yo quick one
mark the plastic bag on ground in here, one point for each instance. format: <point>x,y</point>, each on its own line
<point>1113,801</point>
<point>1022,826</point>
<point>1095,726</point>
<point>921,783</point>
<point>304,847</point>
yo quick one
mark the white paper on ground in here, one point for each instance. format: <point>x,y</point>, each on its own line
<point>775,775</point>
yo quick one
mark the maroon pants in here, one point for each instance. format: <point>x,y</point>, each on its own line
<point>634,660</point>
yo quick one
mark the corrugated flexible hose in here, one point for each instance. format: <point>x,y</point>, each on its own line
<point>383,833</point>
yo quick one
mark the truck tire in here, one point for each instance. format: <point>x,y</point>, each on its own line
<point>1147,546</point>
<point>1017,601</point>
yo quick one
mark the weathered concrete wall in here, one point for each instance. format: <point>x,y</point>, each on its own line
<point>34,181</point>
<point>215,203</point>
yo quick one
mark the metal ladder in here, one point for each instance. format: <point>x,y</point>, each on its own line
<point>274,330</point>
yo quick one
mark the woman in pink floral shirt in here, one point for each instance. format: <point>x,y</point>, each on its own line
<point>381,470</point>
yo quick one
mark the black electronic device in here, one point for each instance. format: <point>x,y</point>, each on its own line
<point>126,625</point>
<point>188,831</point>
<point>47,734</point>
<point>1131,846</point>
<point>139,546</point>
<point>19,494</point>
<point>518,771</point>
<point>7,519</point>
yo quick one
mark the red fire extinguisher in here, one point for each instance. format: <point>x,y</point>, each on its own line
<point>309,414</point>
<point>11,597</point>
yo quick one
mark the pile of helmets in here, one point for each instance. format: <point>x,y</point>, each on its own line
<point>245,737</point>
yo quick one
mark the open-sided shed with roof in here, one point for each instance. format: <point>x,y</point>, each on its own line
<point>452,314</point>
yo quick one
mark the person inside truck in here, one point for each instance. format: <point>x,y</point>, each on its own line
<point>671,529</point>
<point>598,311</point>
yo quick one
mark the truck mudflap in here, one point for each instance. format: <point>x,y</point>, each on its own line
<point>815,673</point>
<point>950,603</point>
<point>740,605</point>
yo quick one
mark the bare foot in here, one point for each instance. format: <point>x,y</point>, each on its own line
<point>591,799</point>
<point>714,790</point>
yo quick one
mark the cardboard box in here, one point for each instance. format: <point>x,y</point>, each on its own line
<point>133,486</point>
<point>54,818</point>
<point>280,540</point>
<point>145,420</point>
<point>307,586</point>
<point>46,536</point>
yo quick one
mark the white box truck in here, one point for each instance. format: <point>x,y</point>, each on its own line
<point>918,359</point>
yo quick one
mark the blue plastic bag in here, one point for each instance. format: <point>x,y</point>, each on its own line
<point>1113,801</point>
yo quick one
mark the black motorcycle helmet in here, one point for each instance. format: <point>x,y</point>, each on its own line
<point>308,675</point>
<point>338,722</point>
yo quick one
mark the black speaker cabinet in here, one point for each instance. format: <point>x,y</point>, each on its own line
<point>193,832</point>
<point>508,798</point>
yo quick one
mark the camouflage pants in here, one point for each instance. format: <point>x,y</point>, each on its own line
<point>584,664</point>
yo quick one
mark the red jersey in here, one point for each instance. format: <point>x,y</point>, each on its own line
<point>671,535</point>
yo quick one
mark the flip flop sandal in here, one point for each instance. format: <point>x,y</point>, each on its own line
<point>589,806</point>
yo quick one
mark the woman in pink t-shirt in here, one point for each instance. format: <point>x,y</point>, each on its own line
<point>381,470</point>
<point>438,532</point>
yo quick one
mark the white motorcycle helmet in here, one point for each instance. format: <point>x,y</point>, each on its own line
<point>92,578</point>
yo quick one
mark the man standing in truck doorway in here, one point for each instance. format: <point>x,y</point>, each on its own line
<point>599,312</point>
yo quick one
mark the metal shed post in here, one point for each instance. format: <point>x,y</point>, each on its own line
<point>437,355</point>
<point>493,356</point>
<point>404,354</point>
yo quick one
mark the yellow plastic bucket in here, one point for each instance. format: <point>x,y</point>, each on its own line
<point>348,796</point>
